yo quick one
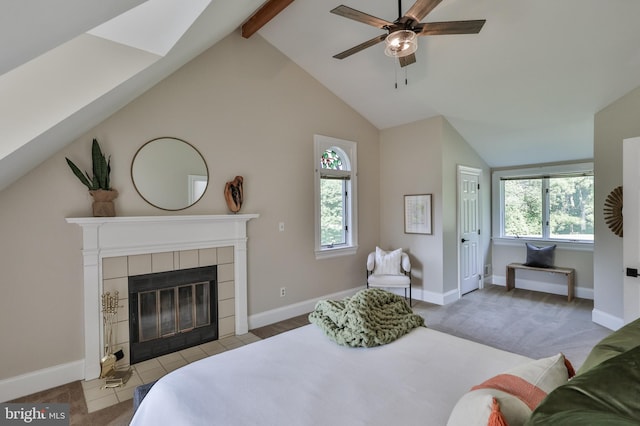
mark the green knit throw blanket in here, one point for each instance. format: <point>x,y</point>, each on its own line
<point>371,317</point>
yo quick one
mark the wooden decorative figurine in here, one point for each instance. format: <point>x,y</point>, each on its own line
<point>233,194</point>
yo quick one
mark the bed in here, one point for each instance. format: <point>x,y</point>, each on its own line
<point>301,377</point>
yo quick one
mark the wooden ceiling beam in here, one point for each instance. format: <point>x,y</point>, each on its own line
<point>266,13</point>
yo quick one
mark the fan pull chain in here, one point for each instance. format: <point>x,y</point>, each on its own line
<point>396,65</point>
<point>406,76</point>
<point>395,72</point>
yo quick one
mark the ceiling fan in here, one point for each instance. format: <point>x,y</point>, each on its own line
<point>401,37</point>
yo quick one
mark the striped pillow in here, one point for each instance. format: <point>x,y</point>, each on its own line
<point>510,398</point>
<point>387,263</point>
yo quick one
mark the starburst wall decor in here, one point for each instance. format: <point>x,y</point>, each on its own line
<point>613,211</point>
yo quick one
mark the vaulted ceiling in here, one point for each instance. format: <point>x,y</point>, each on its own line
<point>66,66</point>
<point>524,90</point>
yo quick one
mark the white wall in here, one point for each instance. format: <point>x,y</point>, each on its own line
<point>613,124</point>
<point>250,111</point>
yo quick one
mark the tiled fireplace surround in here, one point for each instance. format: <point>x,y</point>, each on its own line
<point>115,248</point>
<point>117,270</point>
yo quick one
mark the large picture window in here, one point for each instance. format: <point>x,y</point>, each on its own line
<point>335,177</point>
<point>553,204</point>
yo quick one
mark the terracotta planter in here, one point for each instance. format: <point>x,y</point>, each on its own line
<point>103,202</point>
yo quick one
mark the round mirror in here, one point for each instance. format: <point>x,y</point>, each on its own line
<point>169,173</point>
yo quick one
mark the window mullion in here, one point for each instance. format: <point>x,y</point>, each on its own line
<point>546,216</point>
<point>503,206</point>
<point>347,212</point>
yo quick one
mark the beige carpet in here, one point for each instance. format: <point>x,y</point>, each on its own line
<point>529,323</point>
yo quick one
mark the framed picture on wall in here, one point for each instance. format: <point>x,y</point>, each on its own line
<point>417,214</point>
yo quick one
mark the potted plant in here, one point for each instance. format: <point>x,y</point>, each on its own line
<point>99,184</point>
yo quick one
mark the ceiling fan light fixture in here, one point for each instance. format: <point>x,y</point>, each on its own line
<point>401,43</point>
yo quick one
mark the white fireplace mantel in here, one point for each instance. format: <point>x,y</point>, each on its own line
<point>123,236</point>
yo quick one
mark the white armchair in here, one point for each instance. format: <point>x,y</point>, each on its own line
<point>389,270</point>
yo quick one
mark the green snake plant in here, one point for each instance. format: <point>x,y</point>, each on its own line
<point>101,170</point>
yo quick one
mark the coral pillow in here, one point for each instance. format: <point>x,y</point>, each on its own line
<point>387,263</point>
<point>510,398</point>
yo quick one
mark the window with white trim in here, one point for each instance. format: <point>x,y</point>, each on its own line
<point>335,197</point>
<point>552,203</point>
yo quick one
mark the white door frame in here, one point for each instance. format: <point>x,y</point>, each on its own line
<point>631,240</point>
<point>477,172</point>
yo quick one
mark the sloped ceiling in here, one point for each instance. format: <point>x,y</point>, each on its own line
<point>68,65</point>
<point>30,28</point>
<point>523,91</point>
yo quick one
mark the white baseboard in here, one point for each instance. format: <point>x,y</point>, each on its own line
<point>561,289</point>
<point>36,381</point>
<point>438,298</point>
<point>606,320</point>
<point>430,296</point>
<point>451,296</point>
<point>290,311</point>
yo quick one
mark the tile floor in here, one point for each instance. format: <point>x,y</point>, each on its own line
<point>148,371</point>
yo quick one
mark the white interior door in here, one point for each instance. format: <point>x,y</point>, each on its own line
<point>469,258</point>
<point>631,218</point>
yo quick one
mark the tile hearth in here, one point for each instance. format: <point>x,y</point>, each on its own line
<point>148,371</point>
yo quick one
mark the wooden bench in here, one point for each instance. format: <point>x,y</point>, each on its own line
<point>569,272</point>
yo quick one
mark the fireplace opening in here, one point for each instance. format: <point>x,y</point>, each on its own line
<point>171,311</point>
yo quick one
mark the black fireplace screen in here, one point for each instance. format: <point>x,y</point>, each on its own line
<point>170,311</point>
<point>163,313</point>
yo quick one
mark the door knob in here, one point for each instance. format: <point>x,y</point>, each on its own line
<point>463,240</point>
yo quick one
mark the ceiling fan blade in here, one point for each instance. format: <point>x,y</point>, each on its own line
<point>360,47</point>
<point>452,27</point>
<point>421,8</point>
<point>356,15</point>
<point>407,60</point>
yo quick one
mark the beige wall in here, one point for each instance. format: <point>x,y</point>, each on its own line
<point>613,124</point>
<point>581,260</point>
<point>411,163</point>
<point>422,158</point>
<point>457,152</point>
<point>250,111</point>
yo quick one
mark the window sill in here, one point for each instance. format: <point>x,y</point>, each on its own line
<point>327,253</point>
<point>561,244</point>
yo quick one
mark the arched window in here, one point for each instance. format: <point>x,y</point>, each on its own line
<point>335,197</point>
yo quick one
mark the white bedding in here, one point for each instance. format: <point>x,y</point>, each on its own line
<point>302,378</point>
